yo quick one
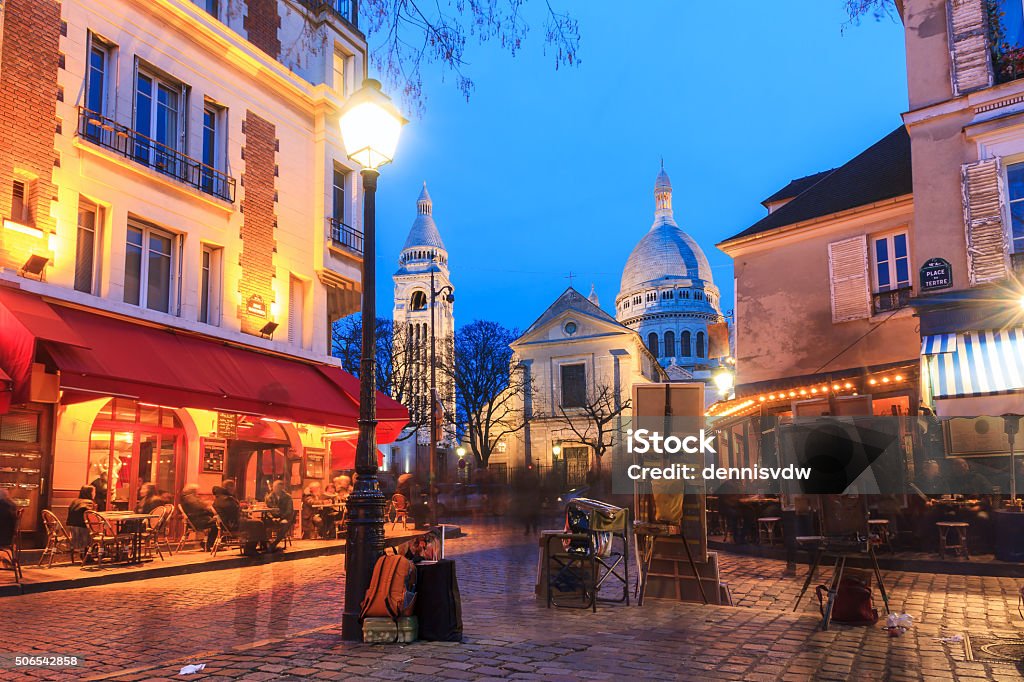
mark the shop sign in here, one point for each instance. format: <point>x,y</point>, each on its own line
<point>215,451</point>
<point>315,462</point>
<point>256,306</point>
<point>936,274</point>
<point>227,425</point>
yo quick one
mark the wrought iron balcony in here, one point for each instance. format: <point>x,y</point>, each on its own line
<point>346,9</point>
<point>346,236</point>
<point>131,144</point>
<point>887,301</point>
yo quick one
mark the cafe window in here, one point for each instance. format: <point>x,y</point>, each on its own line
<point>149,267</point>
<point>134,443</point>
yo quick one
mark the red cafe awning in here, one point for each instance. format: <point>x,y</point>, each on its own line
<point>343,455</point>
<point>182,369</point>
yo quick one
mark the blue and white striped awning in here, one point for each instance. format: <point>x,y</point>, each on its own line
<point>939,343</point>
<point>980,363</point>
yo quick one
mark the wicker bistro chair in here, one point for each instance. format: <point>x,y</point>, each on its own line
<point>103,538</point>
<point>225,537</point>
<point>845,532</point>
<point>11,553</point>
<point>157,531</point>
<point>188,529</point>
<point>400,510</point>
<point>58,539</point>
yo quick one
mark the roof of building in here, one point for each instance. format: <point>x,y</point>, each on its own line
<point>882,171</point>
<point>424,231</point>
<point>797,187</point>
<point>665,251</point>
<point>575,301</point>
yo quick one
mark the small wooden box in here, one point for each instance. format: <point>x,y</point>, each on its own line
<point>382,630</point>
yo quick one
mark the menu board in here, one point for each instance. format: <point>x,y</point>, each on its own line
<point>215,451</point>
<point>227,425</point>
<point>315,458</point>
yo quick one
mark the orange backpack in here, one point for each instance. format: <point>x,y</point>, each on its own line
<point>392,590</point>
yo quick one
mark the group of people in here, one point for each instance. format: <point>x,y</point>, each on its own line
<point>323,508</point>
<point>266,534</point>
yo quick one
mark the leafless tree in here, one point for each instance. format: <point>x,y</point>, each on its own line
<point>393,375</point>
<point>594,422</point>
<point>489,388</point>
<point>876,9</point>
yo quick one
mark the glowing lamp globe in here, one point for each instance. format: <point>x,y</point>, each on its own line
<point>370,126</point>
<point>724,381</point>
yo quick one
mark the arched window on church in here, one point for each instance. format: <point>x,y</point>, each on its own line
<point>418,301</point>
<point>685,349</point>
<point>670,344</point>
<point>652,343</point>
<point>700,344</point>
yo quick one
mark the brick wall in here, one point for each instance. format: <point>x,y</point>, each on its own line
<point>29,58</point>
<point>259,219</point>
<point>261,24</point>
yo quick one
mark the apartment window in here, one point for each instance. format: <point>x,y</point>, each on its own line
<point>213,154</point>
<point>85,247</point>
<point>341,61</point>
<point>148,267</point>
<point>574,385</point>
<point>296,297</point>
<point>96,76</point>
<point>892,262</point>
<point>1010,17</point>
<point>211,6</point>
<point>158,117</point>
<point>1015,175</point>
<point>20,202</point>
<point>340,178</point>
<point>209,285</point>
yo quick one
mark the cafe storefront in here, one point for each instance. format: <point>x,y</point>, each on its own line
<point>119,402</point>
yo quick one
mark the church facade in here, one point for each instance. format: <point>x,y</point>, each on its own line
<point>422,269</point>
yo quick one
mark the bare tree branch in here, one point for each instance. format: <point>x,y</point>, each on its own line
<point>593,423</point>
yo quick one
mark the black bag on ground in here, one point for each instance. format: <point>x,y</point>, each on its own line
<point>438,604</point>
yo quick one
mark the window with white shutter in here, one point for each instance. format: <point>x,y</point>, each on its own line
<point>848,275</point>
<point>987,259</point>
<point>970,57</point>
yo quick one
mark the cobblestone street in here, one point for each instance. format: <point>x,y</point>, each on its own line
<point>280,621</point>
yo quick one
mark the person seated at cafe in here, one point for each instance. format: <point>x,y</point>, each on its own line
<point>965,480</point>
<point>281,513</point>
<point>76,517</point>
<point>199,512</point>
<point>150,498</point>
<point>227,506</point>
<point>8,518</point>
<point>312,515</point>
<point>342,487</point>
<point>930,480</point>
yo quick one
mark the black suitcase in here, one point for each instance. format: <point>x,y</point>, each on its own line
<point>438,604</point>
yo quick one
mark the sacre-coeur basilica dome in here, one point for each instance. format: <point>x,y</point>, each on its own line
<point>667,293</point>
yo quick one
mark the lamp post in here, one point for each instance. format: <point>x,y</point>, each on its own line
<point>1011,426</point>
<point>449,297</point>
<point>370,127</point>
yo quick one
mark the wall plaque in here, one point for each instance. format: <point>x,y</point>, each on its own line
<point>255,305</point>
<point>936,273</point>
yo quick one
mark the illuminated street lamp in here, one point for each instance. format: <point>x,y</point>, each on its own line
<point>370,128</point>
<point>724,380</point>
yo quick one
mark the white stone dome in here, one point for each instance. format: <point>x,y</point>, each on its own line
<point>665,252</point>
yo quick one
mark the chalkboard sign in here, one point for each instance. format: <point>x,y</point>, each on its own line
<point>936,273</point>
<point>227,425</point>
<point>215,451</point>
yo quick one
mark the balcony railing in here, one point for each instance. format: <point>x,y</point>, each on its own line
<point>346,9</point>
<point>886,301</point>
<point>131,144</point>
<point>346,236</point>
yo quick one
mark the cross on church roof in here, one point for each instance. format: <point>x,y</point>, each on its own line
<point>571,276</point>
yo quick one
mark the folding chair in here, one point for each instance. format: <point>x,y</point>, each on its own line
<point>845,533</point>
<point>187,527</point>
<point>102,537</point>
<point>157,532</point>
<point>225,537</point>
<point>400,509</point>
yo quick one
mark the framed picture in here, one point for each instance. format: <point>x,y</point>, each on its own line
<point>315,458</point>
<point>215,451</point>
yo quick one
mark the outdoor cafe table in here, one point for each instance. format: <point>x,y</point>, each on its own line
<point>122,521</point>
<point>339,506</point>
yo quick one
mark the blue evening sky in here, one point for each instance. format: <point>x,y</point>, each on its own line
<point>544,172</point>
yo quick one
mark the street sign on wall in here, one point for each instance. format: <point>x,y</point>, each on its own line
<point>936,274</point>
